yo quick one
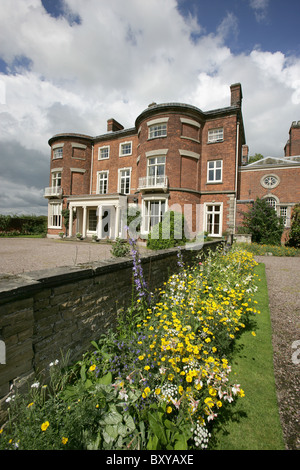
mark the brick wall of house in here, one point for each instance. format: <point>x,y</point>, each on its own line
<point>77,153</point>
<point>292,147</point>
<point>185,147</point>
<point>251,187</point>
<point>115,161</point>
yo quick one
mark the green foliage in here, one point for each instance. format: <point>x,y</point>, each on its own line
<point>120,248</point>
<point>168,233</point>
<point>22,225</point>
<point>255,158</point>
<point>262,222</point>
<point>275,250</point>
<point>294,235</point>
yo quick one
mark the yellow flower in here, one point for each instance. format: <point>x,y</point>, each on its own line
<point>253,333</point>
<point>241,393</point>
<point>212,391</point>
<point>45,425</point>
<point>141,358</point>
<point>147,367</point>
<point>157,391</point>
<point>146,392</point>
<point>93,367</point>
<point>30,404</point>
<point>64,440</point>
<point>169,409</point>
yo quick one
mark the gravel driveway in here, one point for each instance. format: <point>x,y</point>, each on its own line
<point>19,255</point>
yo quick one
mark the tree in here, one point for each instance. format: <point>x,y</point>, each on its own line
<point>263,223</point>
<point>254,158</point>
<point>294,235</point>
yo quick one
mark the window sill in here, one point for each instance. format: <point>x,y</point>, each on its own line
<point>158,137</point>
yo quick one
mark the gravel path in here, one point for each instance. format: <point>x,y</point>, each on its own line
<point>283,278</point>
<point>19,255</point>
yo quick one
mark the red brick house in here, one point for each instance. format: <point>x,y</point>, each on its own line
<point>276,179</point>
<point>176,157</point>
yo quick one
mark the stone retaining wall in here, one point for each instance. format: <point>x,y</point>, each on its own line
<point>47,314</point>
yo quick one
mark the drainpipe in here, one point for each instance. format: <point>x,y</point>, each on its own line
<point>236,172</point>
<point>92,164</point>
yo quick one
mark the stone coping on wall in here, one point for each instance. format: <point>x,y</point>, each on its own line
<point>13,287</point>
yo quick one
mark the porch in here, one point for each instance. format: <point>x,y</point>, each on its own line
<point>103,216</point>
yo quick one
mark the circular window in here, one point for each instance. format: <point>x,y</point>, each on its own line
<point>269,181</point>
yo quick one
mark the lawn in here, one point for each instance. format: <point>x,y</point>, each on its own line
<point>253,423</point>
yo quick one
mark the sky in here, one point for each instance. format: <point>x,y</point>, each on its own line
<point>69,65</point>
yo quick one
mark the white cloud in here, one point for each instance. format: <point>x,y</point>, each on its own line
<point>120,57</point>
<point>260,8</point>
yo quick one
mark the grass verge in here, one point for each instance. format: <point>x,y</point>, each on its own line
<point>253,423</point>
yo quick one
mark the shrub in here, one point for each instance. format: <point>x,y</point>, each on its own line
<point>120,248</point>
<point>263,223</point>
<point>294,235</point>
<point>167,233</point>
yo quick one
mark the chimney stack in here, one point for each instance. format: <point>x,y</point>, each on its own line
<point>113,125</point>
<point>245,154</point>
<point>236,95</point>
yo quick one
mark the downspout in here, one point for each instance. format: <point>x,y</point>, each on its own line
<point>92,165</point>
<point>236,172</point>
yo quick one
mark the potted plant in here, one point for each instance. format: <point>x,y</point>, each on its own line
<point>78,235</point>
<point>94,238</point>
<point>61,234</point>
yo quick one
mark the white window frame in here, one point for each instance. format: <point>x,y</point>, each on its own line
<point>158,179</point>
<point>283,212</point>
<point>106,149</point>
<point>55,215</point>
<point>89,231</point>
<point>158,130</point>
<point>215,135</point>
<point>214,169</point>
<point>213,213</point>
<point>146,216</point>
<point>122,177</point>
<point>57,153</point>
<point>272,202</point>
<point>99,175</point>
<point>55,178</point>
<point>124,145</point>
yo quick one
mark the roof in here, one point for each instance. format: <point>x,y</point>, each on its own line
<point>272,162</point>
